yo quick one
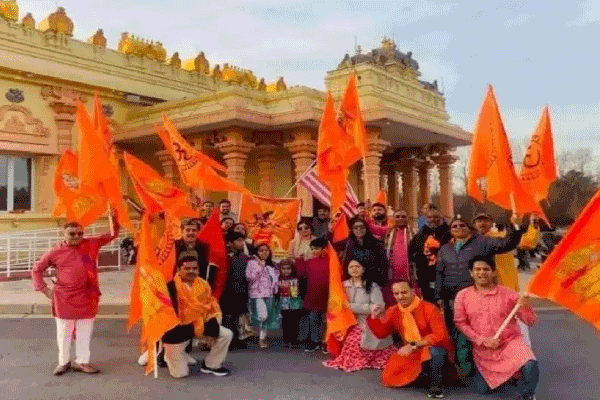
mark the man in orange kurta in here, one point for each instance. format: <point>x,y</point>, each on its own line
<point>422,328</point>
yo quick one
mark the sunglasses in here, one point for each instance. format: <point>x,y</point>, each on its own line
<point>458,226</point>
<point>74,234</point>
<point>359,228</point>
<point>400,216</point>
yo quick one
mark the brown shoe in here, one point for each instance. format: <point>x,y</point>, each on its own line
<point>61,369</point>
<point>263,344</point>
<point>87,368</point>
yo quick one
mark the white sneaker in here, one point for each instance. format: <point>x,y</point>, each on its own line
<point>190,360</point>
<point>143,360</point>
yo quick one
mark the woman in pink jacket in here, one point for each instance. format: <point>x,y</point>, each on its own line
<point>262,286</point>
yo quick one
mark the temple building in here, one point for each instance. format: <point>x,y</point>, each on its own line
<point>264,132</point>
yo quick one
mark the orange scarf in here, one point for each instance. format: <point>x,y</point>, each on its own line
<point>196,303</point>
<point>411,330</point>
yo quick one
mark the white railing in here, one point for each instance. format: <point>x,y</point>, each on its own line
<point>20,251</point>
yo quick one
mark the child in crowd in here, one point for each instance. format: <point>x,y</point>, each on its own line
<point>262,281</point>
<point>316,273</point>
<point>290,302</point>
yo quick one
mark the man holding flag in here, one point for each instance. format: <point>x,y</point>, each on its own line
<point>75,294</point>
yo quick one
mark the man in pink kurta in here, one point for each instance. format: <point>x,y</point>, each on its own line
<point>75,294</point>
<point>396,247</point>
<point>506,363</point>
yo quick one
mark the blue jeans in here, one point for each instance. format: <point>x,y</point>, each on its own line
<point>436,365</point>
<point>312,326</point>
<point>525,386</point>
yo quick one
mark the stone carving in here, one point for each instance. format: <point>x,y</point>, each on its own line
<point>216,72</point>
<point>278,86</point>
<point>9,10</point>
<point>17,124</point>
<point>15,95</point>
<point>28,21</point>
<point>107,110</point>
<point>57,22</point>
<point>132,46</point>
<point>175,61</point>
<point>98,39</point>
<point>201,64</point>
<point>63,101</point>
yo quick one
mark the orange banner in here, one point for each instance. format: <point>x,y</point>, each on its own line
<point>571,274</point>
<point>339,315</point>
<point>270,221</point>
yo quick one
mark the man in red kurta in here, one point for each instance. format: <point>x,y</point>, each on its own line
<point>503,364</point>
<point>423,331</point>
<point>75,294</point>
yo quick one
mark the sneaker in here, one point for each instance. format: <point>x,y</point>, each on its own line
<point>436,393</point>
<point>217,372</point>
<point>311,347</point>
<point>61,369</point>
<point>324,349</point>
<point>263,344</point>
<point>143,360</point>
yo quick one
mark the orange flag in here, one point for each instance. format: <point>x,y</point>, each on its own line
<point>382,197</point>
<point>340,229</point>
<point>539,165</point>
<point>94,159</point>
<point>212,235</point>
<point>196,169</point>
<point>340,317</point>
<point>570,276</point>
<point>350,117</point>
<point>154,306</point>
<point>335,154</point>
<point>491,159</point>
<point>156,192</point>
<point>83,207</point>
<point>112,182</point>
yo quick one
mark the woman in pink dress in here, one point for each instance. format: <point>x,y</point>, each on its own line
<point>361,349</point>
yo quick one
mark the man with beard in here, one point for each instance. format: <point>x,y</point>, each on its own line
<point>439,230</point>
<point>190,245</point>
<point>321,222</point>
<point>378,223</point>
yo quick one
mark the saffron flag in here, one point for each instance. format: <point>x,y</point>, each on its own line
<point>157,311</point>
<point>212,235</point>
<point>270,221</point>
<point>340,228</point>
<point>491,159</point>
<point>197,169</point>
<point>111,185</point>
<point>539,165</point>
<point>335,154</point>
<point>382,197</point>
<point>350,118</point>
<point>155,192</point>
<point>570,276</point>
<point>340,317</point>
<point>83,207</point>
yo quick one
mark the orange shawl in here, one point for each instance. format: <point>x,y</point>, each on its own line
<point>196,303</point>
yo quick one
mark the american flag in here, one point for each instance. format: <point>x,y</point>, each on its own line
<point>321,191</point>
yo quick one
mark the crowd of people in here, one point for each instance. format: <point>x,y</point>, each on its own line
<point>428,302</point>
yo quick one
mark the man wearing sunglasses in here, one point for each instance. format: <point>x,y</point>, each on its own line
<point>75,293</point>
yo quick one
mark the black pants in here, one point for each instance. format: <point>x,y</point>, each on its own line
<point>232,322</point>
<point>290,325</point>
<point>426,290</point>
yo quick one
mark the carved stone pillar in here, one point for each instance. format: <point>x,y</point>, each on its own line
<point>304,149</point>
<point>267,156</point>
<point>444,163</point>
<point>409,188</point>
<point>168,164</point>
<point>424,168</point>
<point>235,153</point>
<point>64,103</point>
<point>392,184</point>
<point>375,148</point>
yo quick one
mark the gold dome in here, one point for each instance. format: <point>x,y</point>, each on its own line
<point>28,21</point>
<point>278,86</point>
<point>199,64</point>
<point>9,10</point>
<point>98,39</point>
<point>57,22</point>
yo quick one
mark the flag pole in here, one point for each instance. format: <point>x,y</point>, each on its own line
<point>300,178</point>
<point>507,320</point>
<point>155,356</point>
<point>111,223</point>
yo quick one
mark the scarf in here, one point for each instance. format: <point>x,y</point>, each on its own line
<point>196,304</point>
<point>411,330</point>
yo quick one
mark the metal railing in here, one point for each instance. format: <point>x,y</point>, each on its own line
<point>20,251</point>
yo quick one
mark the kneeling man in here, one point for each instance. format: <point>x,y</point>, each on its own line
<point>199,316</point>
<point>422,328</point>
<point>503,364</point>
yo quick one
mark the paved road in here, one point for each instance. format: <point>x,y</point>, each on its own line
<point>568,350</point>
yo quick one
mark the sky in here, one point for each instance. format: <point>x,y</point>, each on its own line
<point>533,52</point>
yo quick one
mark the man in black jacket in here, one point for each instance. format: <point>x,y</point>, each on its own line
<point>437,228</point>
<point>189,245</point>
